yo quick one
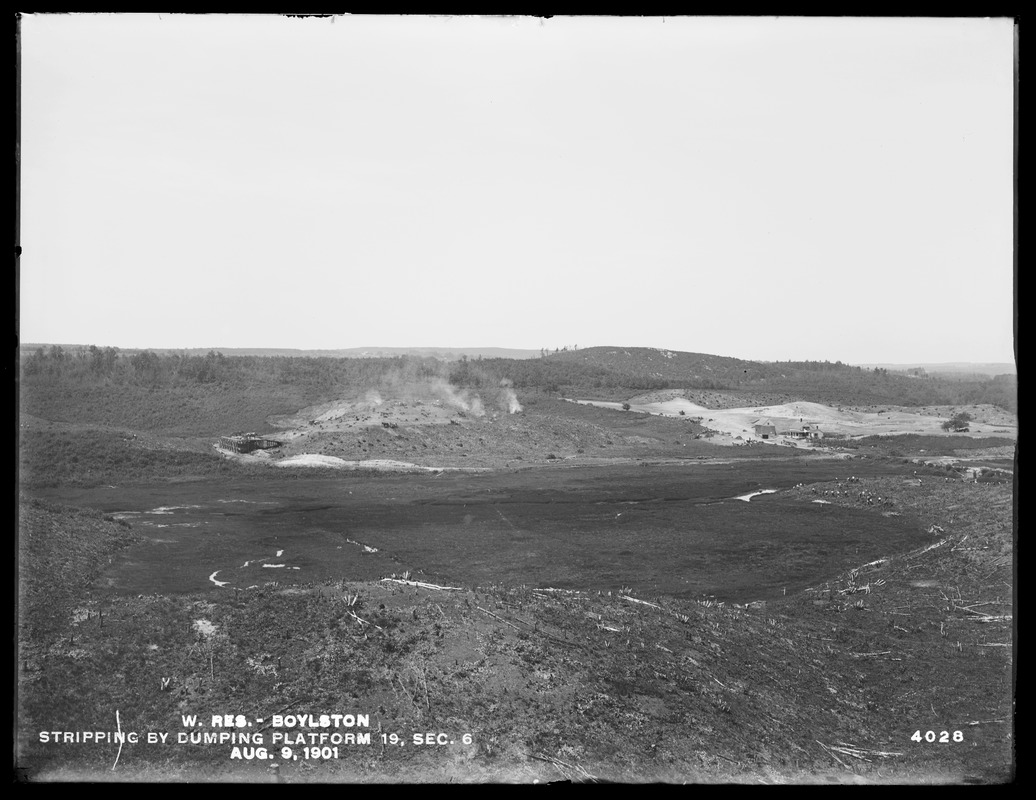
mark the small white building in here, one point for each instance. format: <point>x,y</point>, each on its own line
<point>812,430</point>
<point>808,430</point>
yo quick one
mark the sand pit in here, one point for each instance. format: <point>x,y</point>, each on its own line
<point>313,460</point>
<point>748,497</point>
<point>850,422</point>
<point>380,464</point>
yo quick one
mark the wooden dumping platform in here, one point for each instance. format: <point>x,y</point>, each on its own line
<point>246,443</point>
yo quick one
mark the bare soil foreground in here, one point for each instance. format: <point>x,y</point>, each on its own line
<point>426,589</point>
<point>535,633</point>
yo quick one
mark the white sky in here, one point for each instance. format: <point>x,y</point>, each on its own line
<point>773,189</point>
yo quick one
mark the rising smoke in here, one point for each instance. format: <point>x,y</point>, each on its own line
<point>373,398</point>
<point>508,400</point>
<point>463,399</point>
<point>426,381</point>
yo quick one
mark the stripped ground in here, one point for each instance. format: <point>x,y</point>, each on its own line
<point>826,685</point>
<point>679,529</point>
<point>466,435</point>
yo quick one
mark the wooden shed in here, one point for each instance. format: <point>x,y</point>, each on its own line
<point>765,429</point>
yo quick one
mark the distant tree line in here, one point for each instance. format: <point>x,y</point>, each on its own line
<point>586,371</point>
<point>92,364</point>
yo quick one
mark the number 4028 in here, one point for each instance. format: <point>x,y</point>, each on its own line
<point>932,736</point>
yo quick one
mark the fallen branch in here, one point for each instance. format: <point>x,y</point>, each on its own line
<point>985,721</point>
<point>831,753</point>
<point>424,585</point>
<point>642,602</point>
<point>967,610</point>
<point>996,644</point>
<point>854,751</point>
<point>1004,618</point>
<point>970,606</point>
<point>530,627</point>
<point>864,655</point>
<point>557,762</point>
<point>363,621</point>
<point>409,696</point>
<point>921,552</point>
<point>496,616</point>
<point>851,749</point>
<point>675,614</point>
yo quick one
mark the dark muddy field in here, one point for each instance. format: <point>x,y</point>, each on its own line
<point>677,531</point>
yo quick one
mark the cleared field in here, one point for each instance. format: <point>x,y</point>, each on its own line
<point>665,531</point>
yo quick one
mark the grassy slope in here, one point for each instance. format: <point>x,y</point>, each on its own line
<point>763,383</point>
<point>181,410</point>
<point>60,549</point>
<point>91,457</point>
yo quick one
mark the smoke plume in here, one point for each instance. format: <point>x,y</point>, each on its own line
<point>427,381</point>
<point>508,400</point>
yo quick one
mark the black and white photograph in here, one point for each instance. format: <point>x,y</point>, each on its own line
<point>530,400</point>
